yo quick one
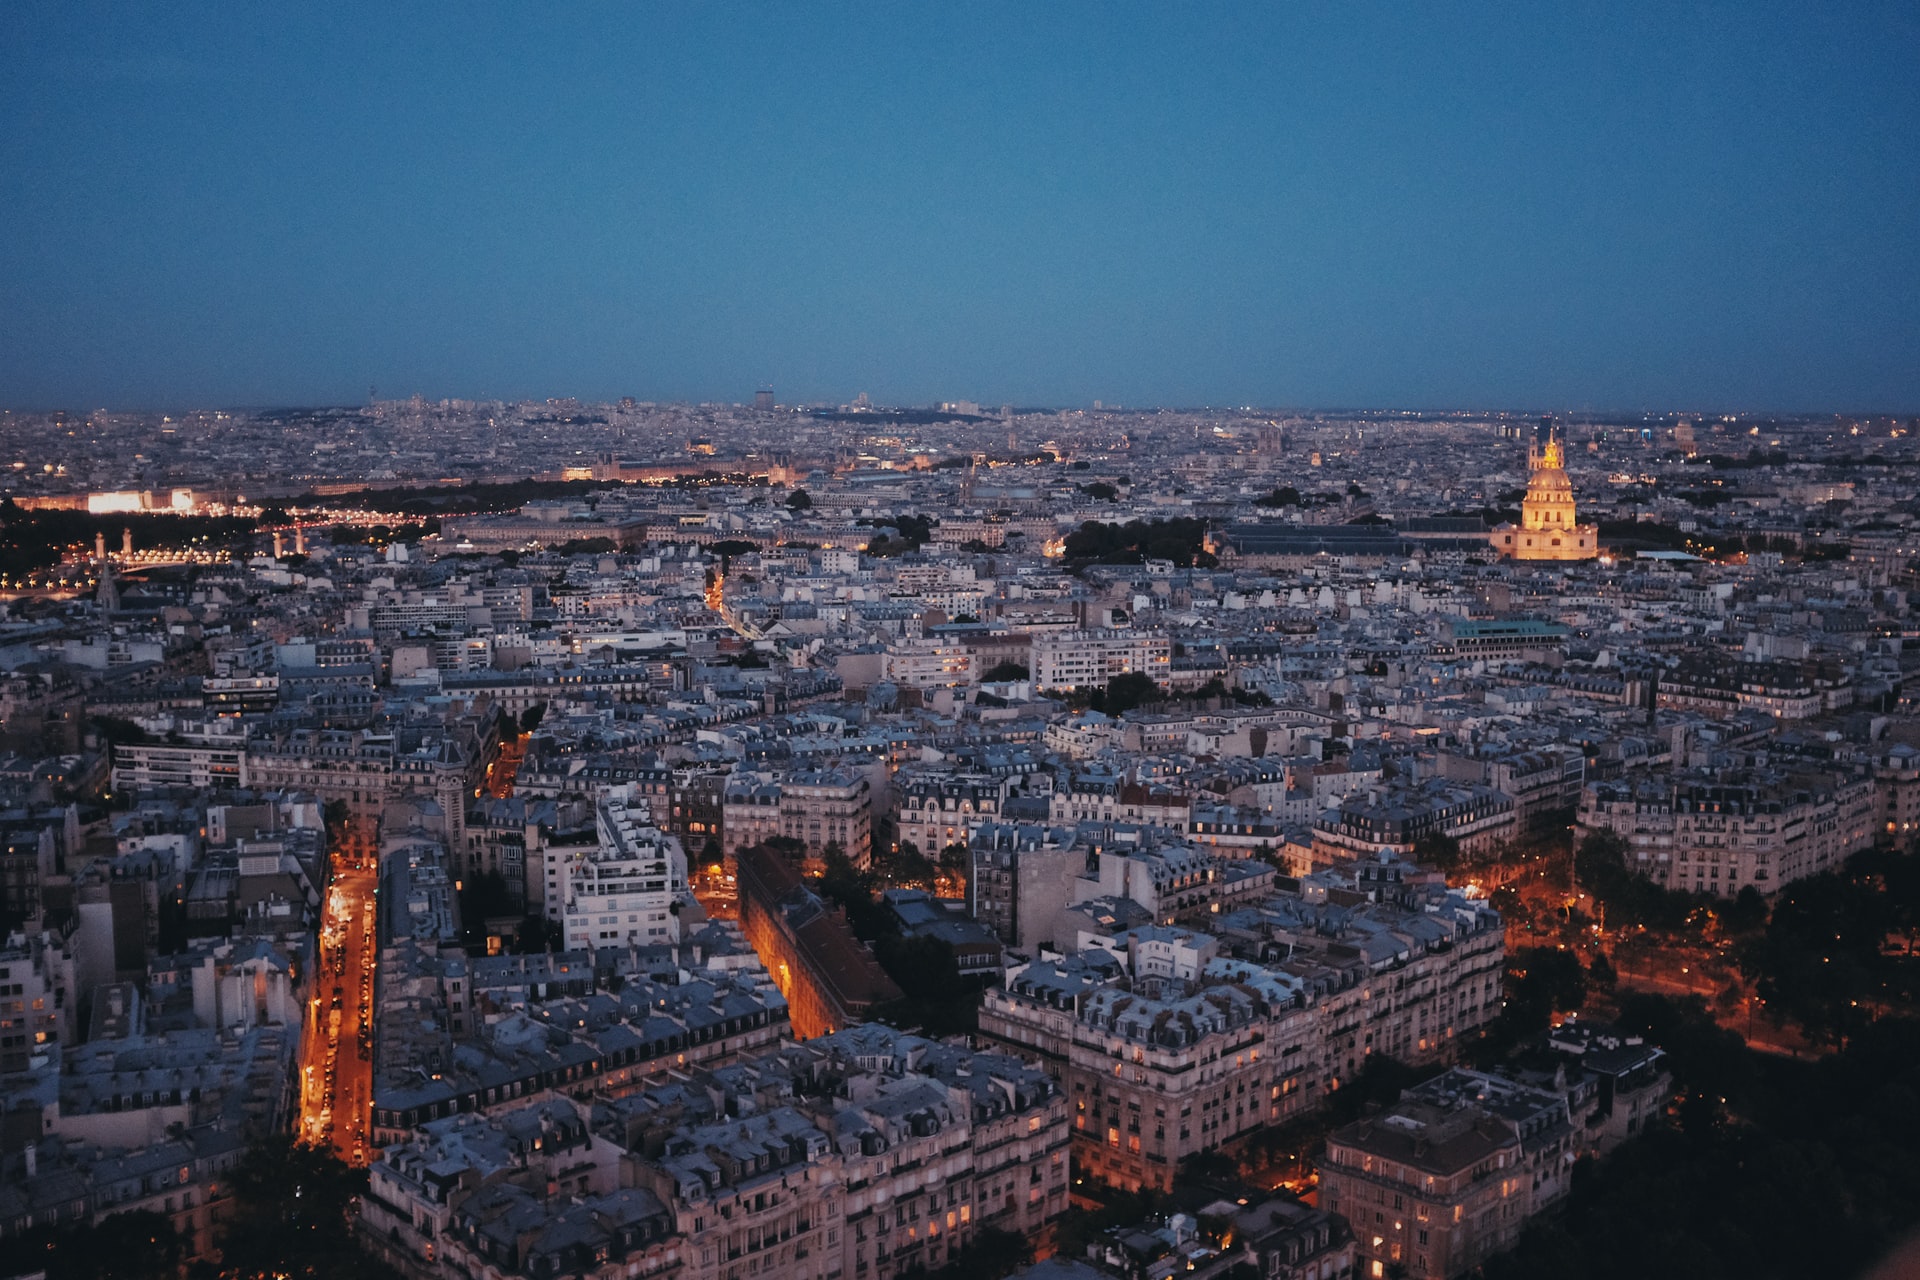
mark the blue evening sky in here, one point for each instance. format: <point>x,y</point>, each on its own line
<point>1561,206</point>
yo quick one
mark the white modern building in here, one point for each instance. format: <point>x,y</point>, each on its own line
<point>1088,659</point>
<point>621,890</point>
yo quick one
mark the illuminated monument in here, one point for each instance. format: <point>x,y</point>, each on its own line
<point>1548,529</point>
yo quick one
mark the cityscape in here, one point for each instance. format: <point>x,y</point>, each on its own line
<point>909,818</point>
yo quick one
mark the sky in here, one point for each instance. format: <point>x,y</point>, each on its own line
<point>1556,206</point>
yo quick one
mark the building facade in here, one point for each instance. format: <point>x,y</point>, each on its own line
<point>623,889</point>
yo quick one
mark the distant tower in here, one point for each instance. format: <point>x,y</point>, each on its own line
<point>299,539</point>
<point>763,401</point>
<point>108,596</point>
<point>126,543</point>
<point>277,551</point>
<point>100,545</point>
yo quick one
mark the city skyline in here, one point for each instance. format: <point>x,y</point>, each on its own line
<point>1702,208</point>
<point>984,642</point>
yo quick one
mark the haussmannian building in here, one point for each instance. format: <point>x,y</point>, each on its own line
<point>1449,1175</point>
<point>1171,1041</point>
<point>1720,832</point>
<point>818,808</point>
<point>829,977</point>
<point>864,1155</point>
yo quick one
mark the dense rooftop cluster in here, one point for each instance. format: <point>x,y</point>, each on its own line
<point>506,793</point>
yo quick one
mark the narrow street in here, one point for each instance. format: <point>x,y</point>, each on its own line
<point>336,1067</point>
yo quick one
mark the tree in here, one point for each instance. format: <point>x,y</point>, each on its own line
<point>1542,981</point>
<point>1437,849</point>
<point>912,868</point>
<point>727,548</point>
<point>1100,491</point>
<point>138,1245</point>
<point>1820,959</point>
<point>1821,1145</point>
<point>538,934</point>
<point>991,1254</point>
<point>1629,898</point>
<point>799,500</point>
<point>119,732</point>
<point>1748,912</point>
<point>484,896</point>
<point>1005,670</point>
<point>1284,497</point>
<point>1181,540</point>
<point>291,1206</point>
<point>1125,692</point>
<point>530,718</point>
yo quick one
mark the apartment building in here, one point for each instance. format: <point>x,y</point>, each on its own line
<point>862,1156</point>
<point>817,807</point>
<point>928,1144</point>
<point>1402,967</point>
<point>559,1021</point>
<point>415,1185</point>
<point>829,977</point>
<point>621,890</point>
<point>1170,1050</point>
<point>39,998</point>
<point>1397,817</point>
<point>1021,877</point>
<point>1088,658</point>
<point>204,757</point>
<point>1720,831</point>
<point>1784,690</point>
<point>1541,783</point>
<point>1172,1041</point>
<point>928,664</point>
<point>183,1177</point>
<point>1449,1175</point>
<point>352,766</point>
<point>937,807</point>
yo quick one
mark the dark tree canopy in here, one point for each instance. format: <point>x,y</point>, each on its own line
<point>291,1214</point>
<point>1181,540</point>
<point>1813,1176</point>
<point>139,1245</point>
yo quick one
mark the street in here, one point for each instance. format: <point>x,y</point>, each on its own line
<point>336,1068</point>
